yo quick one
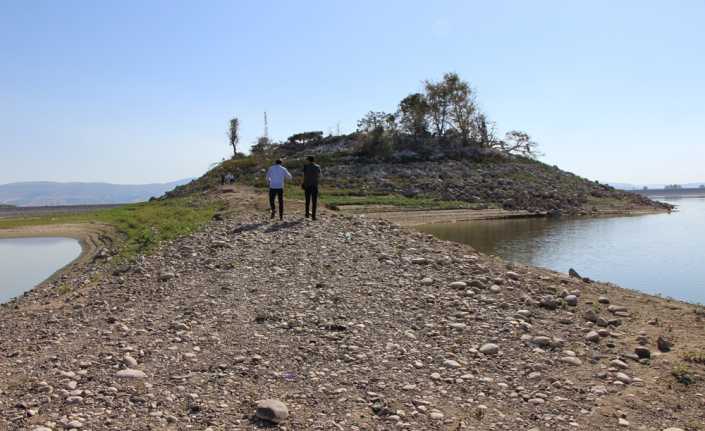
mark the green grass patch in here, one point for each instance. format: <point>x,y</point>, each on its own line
<point>683,374</point>
<point>341,198</point>
<point>141,226</point>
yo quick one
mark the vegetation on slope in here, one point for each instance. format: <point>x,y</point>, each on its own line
<point>141,226</point>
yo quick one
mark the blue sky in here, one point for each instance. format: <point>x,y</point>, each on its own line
<point>141,91</point>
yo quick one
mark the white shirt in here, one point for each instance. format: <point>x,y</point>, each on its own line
<point>276,176</point>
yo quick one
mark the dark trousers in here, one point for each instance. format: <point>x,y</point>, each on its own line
<point>277,193</point>
<point>311,193</point>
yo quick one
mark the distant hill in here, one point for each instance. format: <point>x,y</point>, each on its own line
<point>44,193</point>
<point>627,186</point>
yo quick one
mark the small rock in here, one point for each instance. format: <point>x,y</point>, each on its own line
<point>542,341</point>
<point>619,364</point>
<point>129,361</point>
<point>458,285</point>
<point>272,410</point>
<point>489,349</point>
<point>592,336</point>
<point>74,400</point>
<point>572,360</point>
<point>166,275</point>
<point>130,373</point>
<point>571,300</point>
<point>451,363</point>
<point>664,344</point>
<point>623,378</point>
<point>642,352</point>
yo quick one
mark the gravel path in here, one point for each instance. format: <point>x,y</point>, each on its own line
<point>353,324</point>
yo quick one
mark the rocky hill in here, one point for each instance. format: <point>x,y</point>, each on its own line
<point>485,180</point>
<point>344,324</point>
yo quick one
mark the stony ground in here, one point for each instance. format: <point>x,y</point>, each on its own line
<point>352,323</point>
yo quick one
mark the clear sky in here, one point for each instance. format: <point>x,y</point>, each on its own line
<point>141,91</point>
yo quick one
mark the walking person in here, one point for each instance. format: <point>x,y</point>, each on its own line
<point>276,177</point>
<point>312,174</point>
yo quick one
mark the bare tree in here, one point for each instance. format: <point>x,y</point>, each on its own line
<point>484,131</point>
<point>234,134</point>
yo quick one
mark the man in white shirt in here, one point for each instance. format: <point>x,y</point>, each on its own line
<point>276,177</point>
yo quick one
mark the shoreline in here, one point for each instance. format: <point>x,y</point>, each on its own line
<point>412,218</point>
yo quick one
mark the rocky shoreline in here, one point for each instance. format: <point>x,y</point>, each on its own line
<point>349,324</point>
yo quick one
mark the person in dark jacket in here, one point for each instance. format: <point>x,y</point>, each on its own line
<point>312,174</point>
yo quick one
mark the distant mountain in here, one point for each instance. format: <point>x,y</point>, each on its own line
<point>44,193</point>
<point>627,186</point>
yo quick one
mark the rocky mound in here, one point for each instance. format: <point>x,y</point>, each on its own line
<point>511,183</point>
<point>346,324</point>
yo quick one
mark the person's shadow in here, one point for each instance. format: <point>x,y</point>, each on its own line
<point>248,227</point>
<point>282,225</point>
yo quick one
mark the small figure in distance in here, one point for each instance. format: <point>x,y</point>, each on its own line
<point>312,174</point>
<point>276,177</point>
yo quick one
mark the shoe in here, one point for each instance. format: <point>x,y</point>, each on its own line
<point>313,218</point>
<point>307,215</point>
<point>271,216</point>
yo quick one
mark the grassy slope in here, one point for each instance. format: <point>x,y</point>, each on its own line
<point>140,226</point>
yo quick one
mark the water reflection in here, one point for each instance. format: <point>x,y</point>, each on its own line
<point>657,253</point>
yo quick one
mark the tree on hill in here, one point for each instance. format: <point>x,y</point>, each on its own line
<point>263,148</point>
<point>438,95</point>
<point>234,134</point>
<point>413,114</point>
<point>378,130</point>
<point>462,106</point>
<point>305,138</point>
<point>517,142</point>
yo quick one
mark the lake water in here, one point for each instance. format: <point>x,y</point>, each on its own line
<point>26,262</point>
<point>659,254</point>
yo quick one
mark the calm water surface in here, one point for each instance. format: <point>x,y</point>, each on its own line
<point>662,253</point>
<point>26,262</point>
